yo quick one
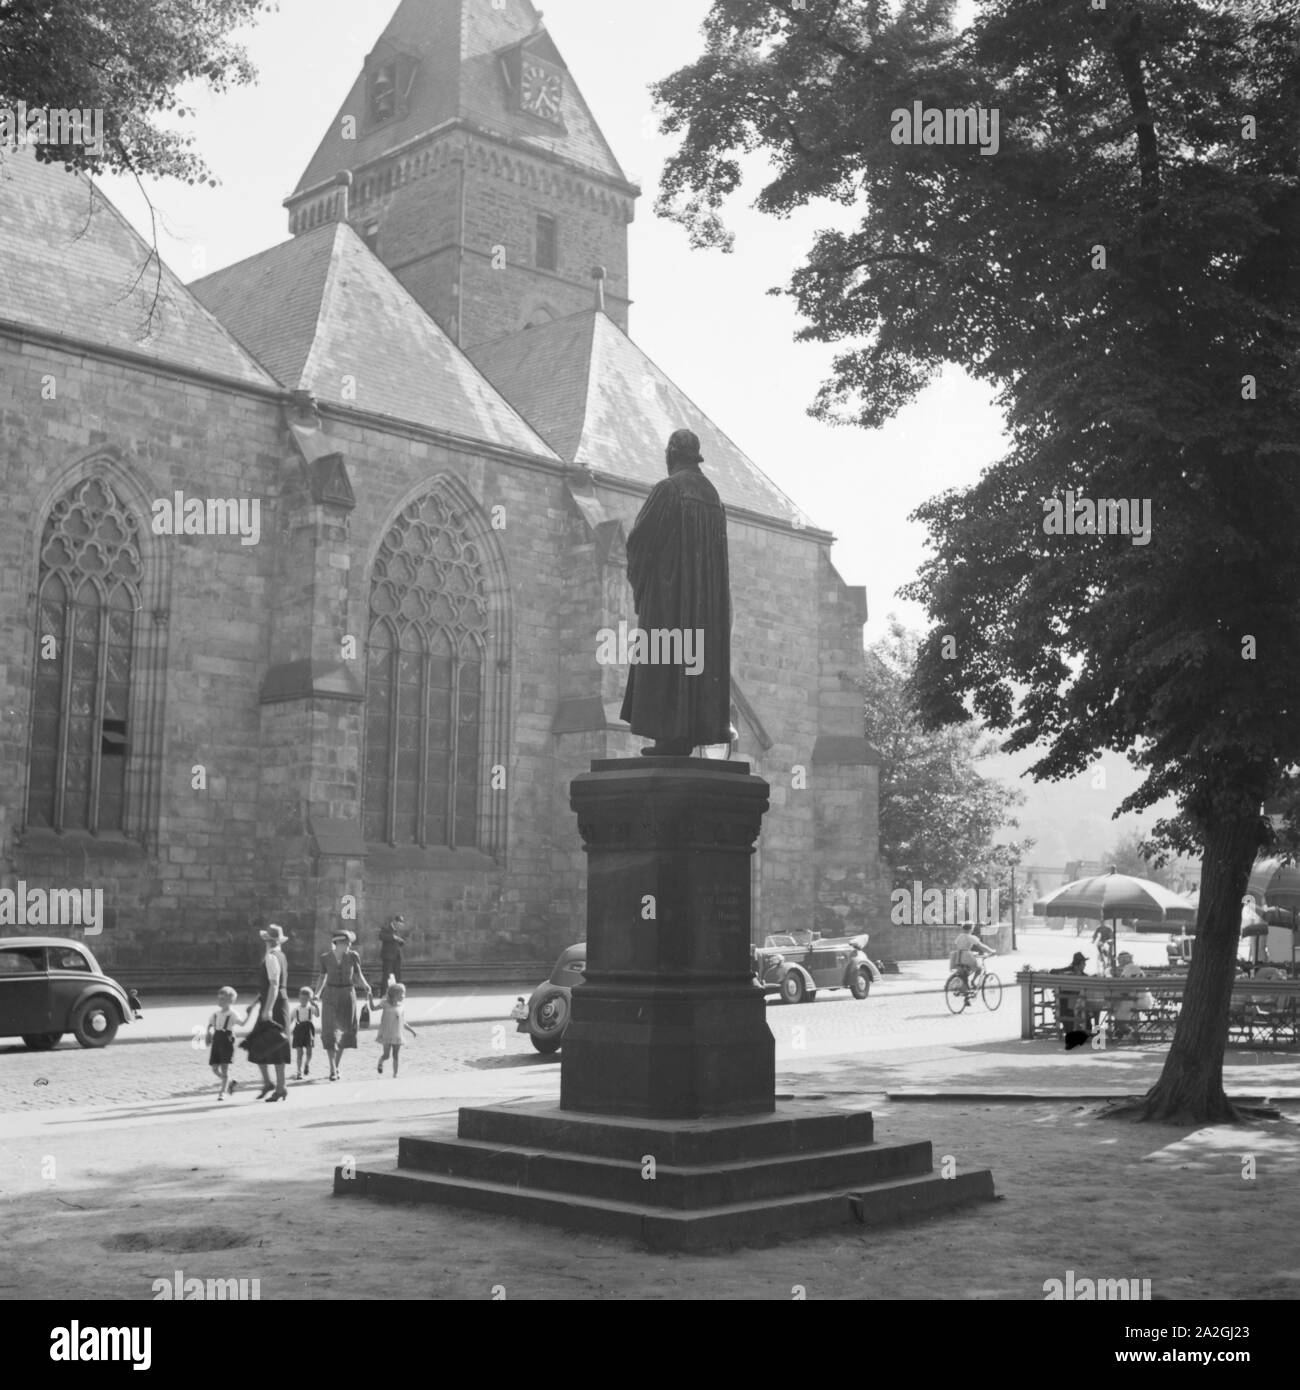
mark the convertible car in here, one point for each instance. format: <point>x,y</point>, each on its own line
<point>801,963</point>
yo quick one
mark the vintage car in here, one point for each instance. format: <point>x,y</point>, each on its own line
<point>50,986</point>
<point>801,963</point>
<point>546,1014</point>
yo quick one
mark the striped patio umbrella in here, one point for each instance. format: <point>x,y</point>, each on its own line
<point>1113,895</point>
<point>1275,883</point>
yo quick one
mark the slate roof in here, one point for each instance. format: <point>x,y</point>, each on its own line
<point>71,264</point>
<point>321,308</point>
<point>457,43</point>
<point>599,401</point>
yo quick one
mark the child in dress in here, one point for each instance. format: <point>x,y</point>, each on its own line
<point>391,1025</point>
<point>303,1017</point>
<point>221,1038</point>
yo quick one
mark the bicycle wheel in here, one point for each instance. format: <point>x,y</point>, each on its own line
<point>955,993</point>
<point>991,989</point>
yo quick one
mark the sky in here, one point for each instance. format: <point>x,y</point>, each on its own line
<point>703,316</point>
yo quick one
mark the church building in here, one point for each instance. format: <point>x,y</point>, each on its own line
<point>304,566</point>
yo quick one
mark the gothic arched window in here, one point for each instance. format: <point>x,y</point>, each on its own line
<point>87,597</point>
<point>425,659</point>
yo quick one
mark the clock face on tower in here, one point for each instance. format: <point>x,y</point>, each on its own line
<point>540,90</point>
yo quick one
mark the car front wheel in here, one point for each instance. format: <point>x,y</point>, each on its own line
<point>41,1042</point>
<point>860,984</point>
<point>94,1023</point>
<point>792,989</point>
<point>549,1019</point>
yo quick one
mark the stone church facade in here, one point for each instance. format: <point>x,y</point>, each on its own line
<point>430,423</point>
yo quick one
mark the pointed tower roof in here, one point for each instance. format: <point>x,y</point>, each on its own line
<point>453,64</point>
<point>320,311</point>
<point>73,265</point>
<point>599,401</point>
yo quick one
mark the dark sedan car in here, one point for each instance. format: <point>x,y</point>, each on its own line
<point>546,1014</point>
<point>50,986</point>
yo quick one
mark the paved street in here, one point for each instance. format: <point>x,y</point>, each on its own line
<point>833,1024</point>
<point>118,1167</point>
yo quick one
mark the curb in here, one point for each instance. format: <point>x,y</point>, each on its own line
<point>419,1023</point>
<point>122,1040</point>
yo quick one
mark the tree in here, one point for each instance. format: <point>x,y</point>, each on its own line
<point>938,814</point>
<point>1127,856</point>
<point>126,58</point>
<point>1125,270</point>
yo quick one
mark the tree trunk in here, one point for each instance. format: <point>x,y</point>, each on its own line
<point>1190,1088</point>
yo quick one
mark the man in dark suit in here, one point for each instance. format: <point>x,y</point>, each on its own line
<point>390,950</point>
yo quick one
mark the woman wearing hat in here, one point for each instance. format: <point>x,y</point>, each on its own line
<point>269,1046</point>
<point>340,973</point>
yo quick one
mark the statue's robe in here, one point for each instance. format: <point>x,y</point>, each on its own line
<point>677,564</point>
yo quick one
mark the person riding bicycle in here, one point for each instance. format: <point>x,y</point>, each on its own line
<point>967,948</point>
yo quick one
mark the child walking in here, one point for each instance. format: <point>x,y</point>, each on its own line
<point>391,1025</point>
<point>221,1038</point>
<point>303,1018</point>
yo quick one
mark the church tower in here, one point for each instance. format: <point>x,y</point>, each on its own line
<point>467,160</point>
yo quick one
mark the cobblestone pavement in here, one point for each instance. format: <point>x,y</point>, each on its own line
<point>835,1023</point>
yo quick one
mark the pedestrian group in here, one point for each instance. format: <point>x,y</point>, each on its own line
<point>279,1033</point>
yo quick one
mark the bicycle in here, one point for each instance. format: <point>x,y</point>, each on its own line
<point>959,991</point>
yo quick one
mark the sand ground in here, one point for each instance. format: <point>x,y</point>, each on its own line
<point>101,1204</point>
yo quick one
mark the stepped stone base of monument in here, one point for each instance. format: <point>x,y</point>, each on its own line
<point>672,1184</point>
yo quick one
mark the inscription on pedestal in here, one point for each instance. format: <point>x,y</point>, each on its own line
<point>722,941</point>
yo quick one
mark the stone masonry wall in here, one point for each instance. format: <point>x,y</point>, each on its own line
<point>420,221</point>
<point>503,195</point>
<point>190,897</point>
<point>222,859</point>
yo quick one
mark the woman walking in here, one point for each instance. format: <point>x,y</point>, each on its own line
<point>340,973</point>
<point>268,1043</point>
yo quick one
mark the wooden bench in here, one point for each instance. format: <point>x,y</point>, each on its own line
<point>1263,1013</point>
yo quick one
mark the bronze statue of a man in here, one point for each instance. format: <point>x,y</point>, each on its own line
<point>679,684</point>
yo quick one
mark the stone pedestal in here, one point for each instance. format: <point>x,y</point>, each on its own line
<point>667,1131</point>
<point>668,1024</point>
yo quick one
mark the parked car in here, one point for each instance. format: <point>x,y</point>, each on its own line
<point>50,986</point>
<point>546,1014</point>
<point>801,963</point>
